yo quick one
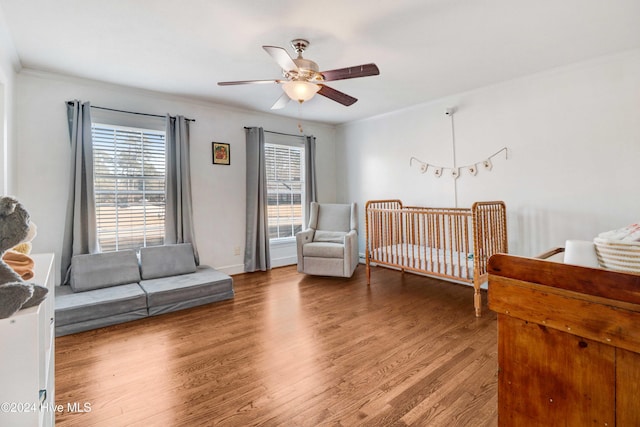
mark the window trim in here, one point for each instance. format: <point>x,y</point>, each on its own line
<point>296,142</point>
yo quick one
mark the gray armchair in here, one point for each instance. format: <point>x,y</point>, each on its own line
<point>329,247</point>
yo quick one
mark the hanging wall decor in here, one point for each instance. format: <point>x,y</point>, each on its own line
<point>221,153</point>
<point>454,171</point>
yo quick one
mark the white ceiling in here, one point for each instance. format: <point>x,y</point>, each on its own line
<point>425,49</point>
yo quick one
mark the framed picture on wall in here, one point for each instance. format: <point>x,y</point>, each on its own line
<point>221,153</point>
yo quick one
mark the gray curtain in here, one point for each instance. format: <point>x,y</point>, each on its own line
<point>256,254</point>
<point>310,186</point>
<point>179,211</point>
<point>80,231</point>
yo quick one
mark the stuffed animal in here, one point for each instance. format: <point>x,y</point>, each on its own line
<point>24,247</point>
<point>18,257</point>
<point>15,293</point>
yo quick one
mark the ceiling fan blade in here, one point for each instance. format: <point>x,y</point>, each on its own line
<point>246,82</point>
<point>336,95</point>
<point>351,72</point>
<point>281,102</point>
<point>282,57</point>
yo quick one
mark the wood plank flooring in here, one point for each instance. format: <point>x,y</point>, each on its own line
<point>292,350</point>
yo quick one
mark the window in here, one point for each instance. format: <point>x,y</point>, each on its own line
<point>129,181</point>
<point>285,189</point>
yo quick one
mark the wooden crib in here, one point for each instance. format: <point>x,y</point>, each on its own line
<point>451,243</point>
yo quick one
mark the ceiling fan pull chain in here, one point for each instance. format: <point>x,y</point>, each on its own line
<point>300,117</point>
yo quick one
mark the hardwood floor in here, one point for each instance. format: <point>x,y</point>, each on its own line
<point>292,350</point>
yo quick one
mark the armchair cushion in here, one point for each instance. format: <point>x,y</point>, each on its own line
<point>329,236</point>
<point>323,250</point>
<point>332,217</point>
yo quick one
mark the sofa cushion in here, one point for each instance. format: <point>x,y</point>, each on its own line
<point>204,283</point>
<point>72,307</point>
<point>95,271</point>
<point>323,250</point>
<point>168,260</point>
<point>87,325</point>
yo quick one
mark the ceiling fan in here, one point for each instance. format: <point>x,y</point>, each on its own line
<point>302,78</point>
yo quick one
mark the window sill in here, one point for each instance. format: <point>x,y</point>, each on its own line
<point>287,241</point>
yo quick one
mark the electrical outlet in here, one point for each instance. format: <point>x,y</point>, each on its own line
<point>236,250</point>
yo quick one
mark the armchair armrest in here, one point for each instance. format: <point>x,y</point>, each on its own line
<point>351,238</point>
<point>351,254</point>
<point>302,237</point>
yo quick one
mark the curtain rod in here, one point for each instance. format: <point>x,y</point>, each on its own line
<point>280,133</point>
<point>129,112</point>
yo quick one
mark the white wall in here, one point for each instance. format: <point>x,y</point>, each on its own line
<point>9,63</point>
<point>218,191</point>
<point>574,141</point>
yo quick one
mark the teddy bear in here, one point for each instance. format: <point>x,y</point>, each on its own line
<point>15,293</point>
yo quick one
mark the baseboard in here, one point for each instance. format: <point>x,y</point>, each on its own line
<point>231,269</point>
<point>239,268</point>
<point>281,262</point>
<point>278,262</point>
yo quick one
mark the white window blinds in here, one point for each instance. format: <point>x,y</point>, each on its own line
<point>129,180</point>
<point>285,189</point>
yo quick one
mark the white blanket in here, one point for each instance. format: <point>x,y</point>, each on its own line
<point>630,233</point>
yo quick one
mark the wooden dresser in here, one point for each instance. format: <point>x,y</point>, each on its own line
<point>568,343</point>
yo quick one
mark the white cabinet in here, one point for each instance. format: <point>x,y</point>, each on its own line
<point>27,341</point>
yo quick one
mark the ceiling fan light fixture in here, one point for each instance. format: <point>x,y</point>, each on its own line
<point>303,78</point>
<point>300,90</point>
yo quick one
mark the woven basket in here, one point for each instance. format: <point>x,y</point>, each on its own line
<point>618,255</point>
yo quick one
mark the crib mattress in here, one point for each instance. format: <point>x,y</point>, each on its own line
<point>427,259</point>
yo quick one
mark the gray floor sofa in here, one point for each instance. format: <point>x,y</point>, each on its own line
<point>116,287</point>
